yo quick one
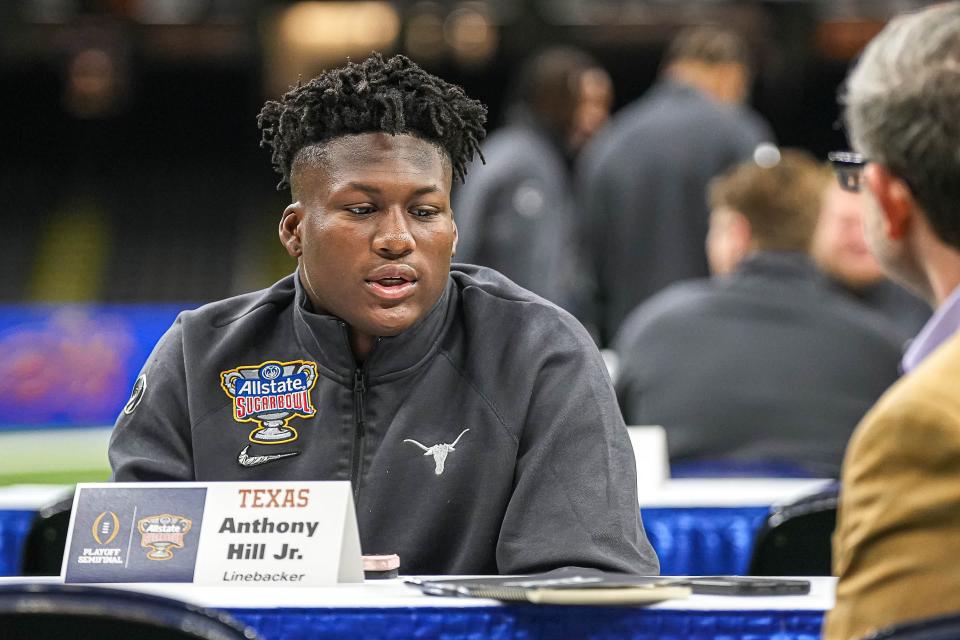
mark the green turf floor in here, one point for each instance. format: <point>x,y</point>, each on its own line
<point>55,456</point>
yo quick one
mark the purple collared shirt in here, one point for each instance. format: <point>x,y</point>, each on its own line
<point>944,323</point>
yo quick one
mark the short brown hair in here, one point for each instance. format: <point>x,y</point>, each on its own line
<point>781,202</point>
<point>712,45</point>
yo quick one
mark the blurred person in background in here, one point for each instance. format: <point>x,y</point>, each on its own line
<point>642,180</point>
<point>897,539</point>
<point>377,363</point>
<point>841,252</point>
<point>763,364</point>
<point>516,212</point>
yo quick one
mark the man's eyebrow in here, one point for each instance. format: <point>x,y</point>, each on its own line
<point>371,189</point>
<point>360,186</point>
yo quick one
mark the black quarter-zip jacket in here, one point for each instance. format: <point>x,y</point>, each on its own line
<point>484,439</point>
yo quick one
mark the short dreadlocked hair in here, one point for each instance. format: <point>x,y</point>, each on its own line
<point>393,96</point>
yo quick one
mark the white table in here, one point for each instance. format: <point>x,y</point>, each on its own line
<point>389,608</point>
<point>730,492</point>
<point>388,594</point>
<point>31,497</point>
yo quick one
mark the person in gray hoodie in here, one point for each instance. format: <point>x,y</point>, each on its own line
<point>516,213</point>
<point>475,420</point>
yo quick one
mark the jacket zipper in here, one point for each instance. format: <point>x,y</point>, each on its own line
<point>356,468</point>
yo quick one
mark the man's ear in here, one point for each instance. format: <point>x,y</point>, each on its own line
<point>456,238</point>
<point>894,198</point>
<point>733,82</point>
<point>290,224</point>
<point>742,233</point>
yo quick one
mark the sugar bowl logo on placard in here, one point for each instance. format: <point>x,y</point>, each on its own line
<point>162,534</point>
<point>105,528</point>
<point>270,394</point>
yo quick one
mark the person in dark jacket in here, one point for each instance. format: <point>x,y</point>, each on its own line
<point>475,420</point>
<point>764,364</point>
<point>516,213</point>
<point>642,180</point>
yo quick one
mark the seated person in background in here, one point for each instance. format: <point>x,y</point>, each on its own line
<point>897,542</point>
<point>475,421</point>
<point>516,212</point>
<point>763,363</point>
<point>841,252</point>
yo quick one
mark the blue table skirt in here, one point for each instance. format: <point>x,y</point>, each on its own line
<point>689,541</point>
<point>703,541</point>
<point>529,622</point>
<point>14,527</point>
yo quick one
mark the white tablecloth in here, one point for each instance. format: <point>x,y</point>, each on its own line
<point>394,593</point>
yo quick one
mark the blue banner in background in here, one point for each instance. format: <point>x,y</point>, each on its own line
<point>74,365</point>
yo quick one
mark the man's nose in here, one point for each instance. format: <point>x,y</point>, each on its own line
<point>394,239</point>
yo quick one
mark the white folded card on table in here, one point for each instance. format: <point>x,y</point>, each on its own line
<point>650,450</point>
<point>223,533</point>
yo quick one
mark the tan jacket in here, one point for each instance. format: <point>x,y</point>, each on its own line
<point>896,549</point>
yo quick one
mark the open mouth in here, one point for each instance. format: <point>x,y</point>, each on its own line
<point>392,281</point>
<point>392,287</point>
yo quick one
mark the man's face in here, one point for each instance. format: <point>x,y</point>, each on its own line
<point>839,246</point>
<point>592,110</point>
<point>733,82</point>
<point>373,228</point>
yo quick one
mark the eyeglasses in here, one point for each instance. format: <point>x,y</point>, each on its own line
<point>849,168</point>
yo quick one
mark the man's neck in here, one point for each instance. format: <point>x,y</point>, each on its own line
<point>941,266</point>
<point>944,284</point>
<point>712,80</point>
<point>361,344</point>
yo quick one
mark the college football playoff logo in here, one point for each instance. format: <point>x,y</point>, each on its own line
<point>105,528</point>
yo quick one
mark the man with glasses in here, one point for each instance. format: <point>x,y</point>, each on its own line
<point>898,530</point>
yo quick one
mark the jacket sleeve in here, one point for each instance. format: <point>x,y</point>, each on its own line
<point>151,439</point>
<point>574,501</point>
<point>898,518</point>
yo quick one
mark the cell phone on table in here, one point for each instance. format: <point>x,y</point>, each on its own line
<point>746,586</point>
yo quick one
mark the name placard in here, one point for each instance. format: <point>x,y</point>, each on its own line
<point>223,533</point>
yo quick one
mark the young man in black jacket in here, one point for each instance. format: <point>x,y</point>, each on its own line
<point>475,420</point>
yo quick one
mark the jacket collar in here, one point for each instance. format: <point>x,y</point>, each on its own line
<point>326,338</point>
<point>676,89</point>
<point>779,264</point>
